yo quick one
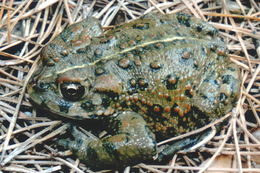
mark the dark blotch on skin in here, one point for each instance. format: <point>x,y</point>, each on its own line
<point>41,86</point>
<point>110,148</point>
<point>88,106</point>
<point>155,111</point>
<point>107,98</point>
<point>184,19</point>
<point>188,93</point>
<point>81,50</point>
<point>212,33</point>
<point>134,107</point>
<point>222,97</point>
<point>231,68</point>
<point>227,79</point>
<point>171,81</point>
<point>199,28</point>
<point>64,106</point>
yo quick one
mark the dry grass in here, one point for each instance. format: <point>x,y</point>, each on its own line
<point>26,140</point>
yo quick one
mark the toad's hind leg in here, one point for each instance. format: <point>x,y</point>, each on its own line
<point>132,142</point>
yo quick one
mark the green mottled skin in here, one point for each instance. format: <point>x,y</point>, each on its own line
<point>153,78</point>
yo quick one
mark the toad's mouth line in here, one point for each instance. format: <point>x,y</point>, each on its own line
<point>123,51</point>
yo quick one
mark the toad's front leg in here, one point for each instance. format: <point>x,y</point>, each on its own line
<point>132,142</point>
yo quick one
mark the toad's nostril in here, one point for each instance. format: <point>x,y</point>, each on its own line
<point>222,97</point>
<point>227,79</point>
<point>40,86</point>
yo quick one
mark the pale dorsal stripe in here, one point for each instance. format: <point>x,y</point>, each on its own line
<point>121,52</point>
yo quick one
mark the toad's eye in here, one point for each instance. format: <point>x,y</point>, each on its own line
<point>72,91</point>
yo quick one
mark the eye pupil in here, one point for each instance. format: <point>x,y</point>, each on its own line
<point>72,91</point>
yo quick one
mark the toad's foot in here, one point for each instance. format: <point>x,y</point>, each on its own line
<point>186,144</point>
<point>132,142</point>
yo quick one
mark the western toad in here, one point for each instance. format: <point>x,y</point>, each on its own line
<point>153,78</point>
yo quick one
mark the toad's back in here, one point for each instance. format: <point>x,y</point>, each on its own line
<point>171,69</point>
